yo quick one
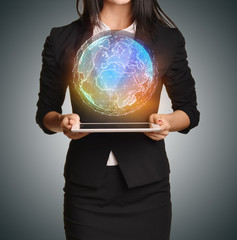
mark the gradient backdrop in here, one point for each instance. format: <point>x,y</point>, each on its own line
<point>203,179</point>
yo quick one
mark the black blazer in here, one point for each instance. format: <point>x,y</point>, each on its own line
<point>141,159</point>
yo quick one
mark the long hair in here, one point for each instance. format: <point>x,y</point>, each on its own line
<point>145,12</point>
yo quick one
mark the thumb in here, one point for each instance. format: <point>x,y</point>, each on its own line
<point>73,119</point>
<point>154,118</point>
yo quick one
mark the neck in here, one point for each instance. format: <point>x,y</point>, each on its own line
<point>116,16</point>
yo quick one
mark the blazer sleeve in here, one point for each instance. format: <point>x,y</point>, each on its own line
<point>180,85</point>
<point>52,84</point>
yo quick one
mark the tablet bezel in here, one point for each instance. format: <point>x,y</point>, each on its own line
<point>154,128</point>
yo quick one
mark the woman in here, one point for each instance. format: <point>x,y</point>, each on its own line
<point>117,184</point>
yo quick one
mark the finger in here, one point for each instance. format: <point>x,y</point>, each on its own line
<point>155,118</point>
<point>160,122</point>
<point>65,124</point>
<point>72,122</point>
<point>156,126</point>
<point>161,133</point>
<point>154,136</point>
<point>165,133</point>
<point>75,136</point>
<point>75,127</point>
<point>66,132</point>
<point>74,118</point>
<point>82,134</point>
<point>157,136</point>
<point>165,126</point>
<point>152,118</point>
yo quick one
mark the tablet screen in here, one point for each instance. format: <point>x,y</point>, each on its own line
<point>113,125</point>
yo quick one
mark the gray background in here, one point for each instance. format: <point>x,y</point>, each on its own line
<point>203,179</point>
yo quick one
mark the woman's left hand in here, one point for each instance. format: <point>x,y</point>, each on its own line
<point>163,122</point>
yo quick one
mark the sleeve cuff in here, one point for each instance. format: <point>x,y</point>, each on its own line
<point>194,117</point>
<point>39,120</point>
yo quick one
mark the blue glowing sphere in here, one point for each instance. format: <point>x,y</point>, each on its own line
<point>114,73</point>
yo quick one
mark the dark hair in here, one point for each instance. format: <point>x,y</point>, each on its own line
<point>145,12</point>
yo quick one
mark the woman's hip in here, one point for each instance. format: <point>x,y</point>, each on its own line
<point>114,211</point>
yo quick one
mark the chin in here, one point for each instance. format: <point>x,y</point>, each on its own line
<point>119,2</point>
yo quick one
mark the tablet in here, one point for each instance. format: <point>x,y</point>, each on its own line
<point>116,127</point>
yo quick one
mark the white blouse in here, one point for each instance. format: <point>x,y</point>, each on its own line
<point>103,27</point>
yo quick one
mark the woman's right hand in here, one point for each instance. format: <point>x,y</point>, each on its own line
<point>67,121</point>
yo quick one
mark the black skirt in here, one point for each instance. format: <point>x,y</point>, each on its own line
<point>116,212</point>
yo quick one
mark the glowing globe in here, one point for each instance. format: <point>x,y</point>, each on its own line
<point>113,73</point>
